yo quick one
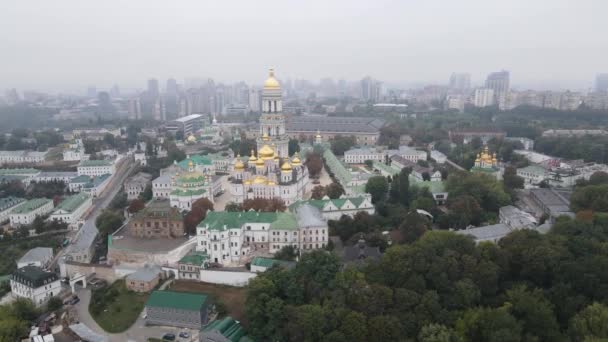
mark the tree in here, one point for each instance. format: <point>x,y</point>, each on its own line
<point>334,190</point>
<point>383,328</point>
<point>535,312</point>
<point>341,144</point>
<point>377,186</point>
<point>594,197</point>
<point>464,211</point>
<point>511,180</point>
<point>265,205</point>
<point>436,333</point>
<point>590,323</point>
<point>54,304</point>
<point>318,192</point>
<point>232,206</point>
<point>484,324</point>
<point>369,164</point>
<point>147,194</point>
<point>414,226</point>
<point>286,253</point>
<point>314,164</point>
<point>404,186</point>
<point>108,222</point>
<point>293,146</point>
<point>197,213</point>
<point>119,201</point>
<point>136,205</point>
<point>598,178</point>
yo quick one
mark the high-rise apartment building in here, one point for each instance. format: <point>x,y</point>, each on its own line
<point>484,97</point>
<point>153,87</point>
<point>171,87</point>
<point>370,89</point>
<point>601,83</point>
<point>499,83</point>
<point>460,81</point>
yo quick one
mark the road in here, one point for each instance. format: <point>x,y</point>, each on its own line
<point>138,332</point>
<point>125,166</point>
<point>455,165</point>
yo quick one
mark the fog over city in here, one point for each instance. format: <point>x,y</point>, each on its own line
<point>65,45</point>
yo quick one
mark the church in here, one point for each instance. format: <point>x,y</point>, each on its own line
<point>271,173</point>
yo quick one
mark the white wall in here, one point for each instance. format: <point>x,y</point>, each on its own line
<point>227,277</point>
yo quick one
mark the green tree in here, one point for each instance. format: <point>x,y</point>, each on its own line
<point>334,190</point>
<point>341,144</point>
<point>369,164</point>
<point>492,325</point>
<point>436,333</point>
<point>511,180</point>
<point>464,211</point>
<point>377,186</point>
<point>288,253</point>
<point>307,323</point>
<point>108,222</point>
<point>54,303</point>
<point>414,226</point>
<point>383,328</point>
<point>590,323</point>
<point>232,206</point>
<point>293,147</point>
<point>147,194</point>
<point>535,312</point>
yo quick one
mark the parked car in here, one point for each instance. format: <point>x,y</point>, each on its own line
<point>169,337</point>
<point>184,334</point>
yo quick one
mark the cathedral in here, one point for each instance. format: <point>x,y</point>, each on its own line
<point>271,173</point>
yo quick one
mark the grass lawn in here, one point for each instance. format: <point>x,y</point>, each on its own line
<point>115,308</point>
<point>232,297</point>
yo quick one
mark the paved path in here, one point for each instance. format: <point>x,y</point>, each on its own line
<point>138,332</point>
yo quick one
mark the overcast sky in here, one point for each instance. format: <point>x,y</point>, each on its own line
<point>69,44</point>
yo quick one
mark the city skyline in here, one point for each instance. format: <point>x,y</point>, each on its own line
<point>398,43</point>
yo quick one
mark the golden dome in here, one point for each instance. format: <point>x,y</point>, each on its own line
<point>247,182</point>
<point>271,82</point>
<point>259,162</point>
<point>191,138</point>
<point>271,183</point>
<point>266,152</point>
<point>252,158</point>
<point>265,137</point>
<point>238,165</point>
<point>286,167</point>
<point>296,160</point>
<point>318,136</point>
<point>190,164</point>
<point>259,180</point>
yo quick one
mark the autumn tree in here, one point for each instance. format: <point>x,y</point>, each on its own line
<point>318,192</point>
<point>197,213</point>
<point>314,164</point>
<point>263,204</point>
<point>136,205</point>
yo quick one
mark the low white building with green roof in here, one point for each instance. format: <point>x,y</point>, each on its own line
<point>72,209</point>
<point>7,204</point>
<point>93,185</point>
<point>28,211</point>
<point>178,309</point>
<point>190,266</point>
<point>96,167</point>
<point>234,238</point>
<point>333,209</point>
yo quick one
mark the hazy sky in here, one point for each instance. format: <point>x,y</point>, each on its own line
<point>69,44</point>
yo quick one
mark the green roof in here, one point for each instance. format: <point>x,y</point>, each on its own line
<point>227,327</point>
<point>263,262</point>
<point>188,192</point>
<point>31,205</point>
<point>97,180</point>
<point>338,202</point>
<point>218,219</point>
<point>18,171</point>
<point>95,163</point>
<point>73,202</point>
<point>33,276</point>
<point>177,300</point>
<point>194,259</point>
<point>9,202</point>
<point>81,179</point>
<point>196,160</point>
<point>434,187</point>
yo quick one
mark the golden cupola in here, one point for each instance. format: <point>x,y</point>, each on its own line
<point>295,161</point>
<point>266,153</point>
<point>252,158</point>
<point>259,162</point>
<point>238,164</point>
<point>286,167</point>
<point>265,137</point>
<point>271,82</point>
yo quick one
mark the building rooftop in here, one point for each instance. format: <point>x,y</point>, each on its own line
<point>337,202</point>
<point>159,208</point>
<point>268,262</point>
<point>335,124</point>
<point>140,177</point>
<point>57,174</point>
<point>145,274</point>
<point>95,163</point>
<point>556,203</point>
<point>492,232</point>
<point>228,327</point>
<point>177,300</point>
<point>81,179</point>
<point>18,171</point>
<point>73,202</point>
<point>33,276</point>
<point>197,259</point>
<point>95,181</point>
<point>222,220</point>
<point>9,202</point>
<point>36,254</point>
<point>189,117</point>
<point>30,205</point>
